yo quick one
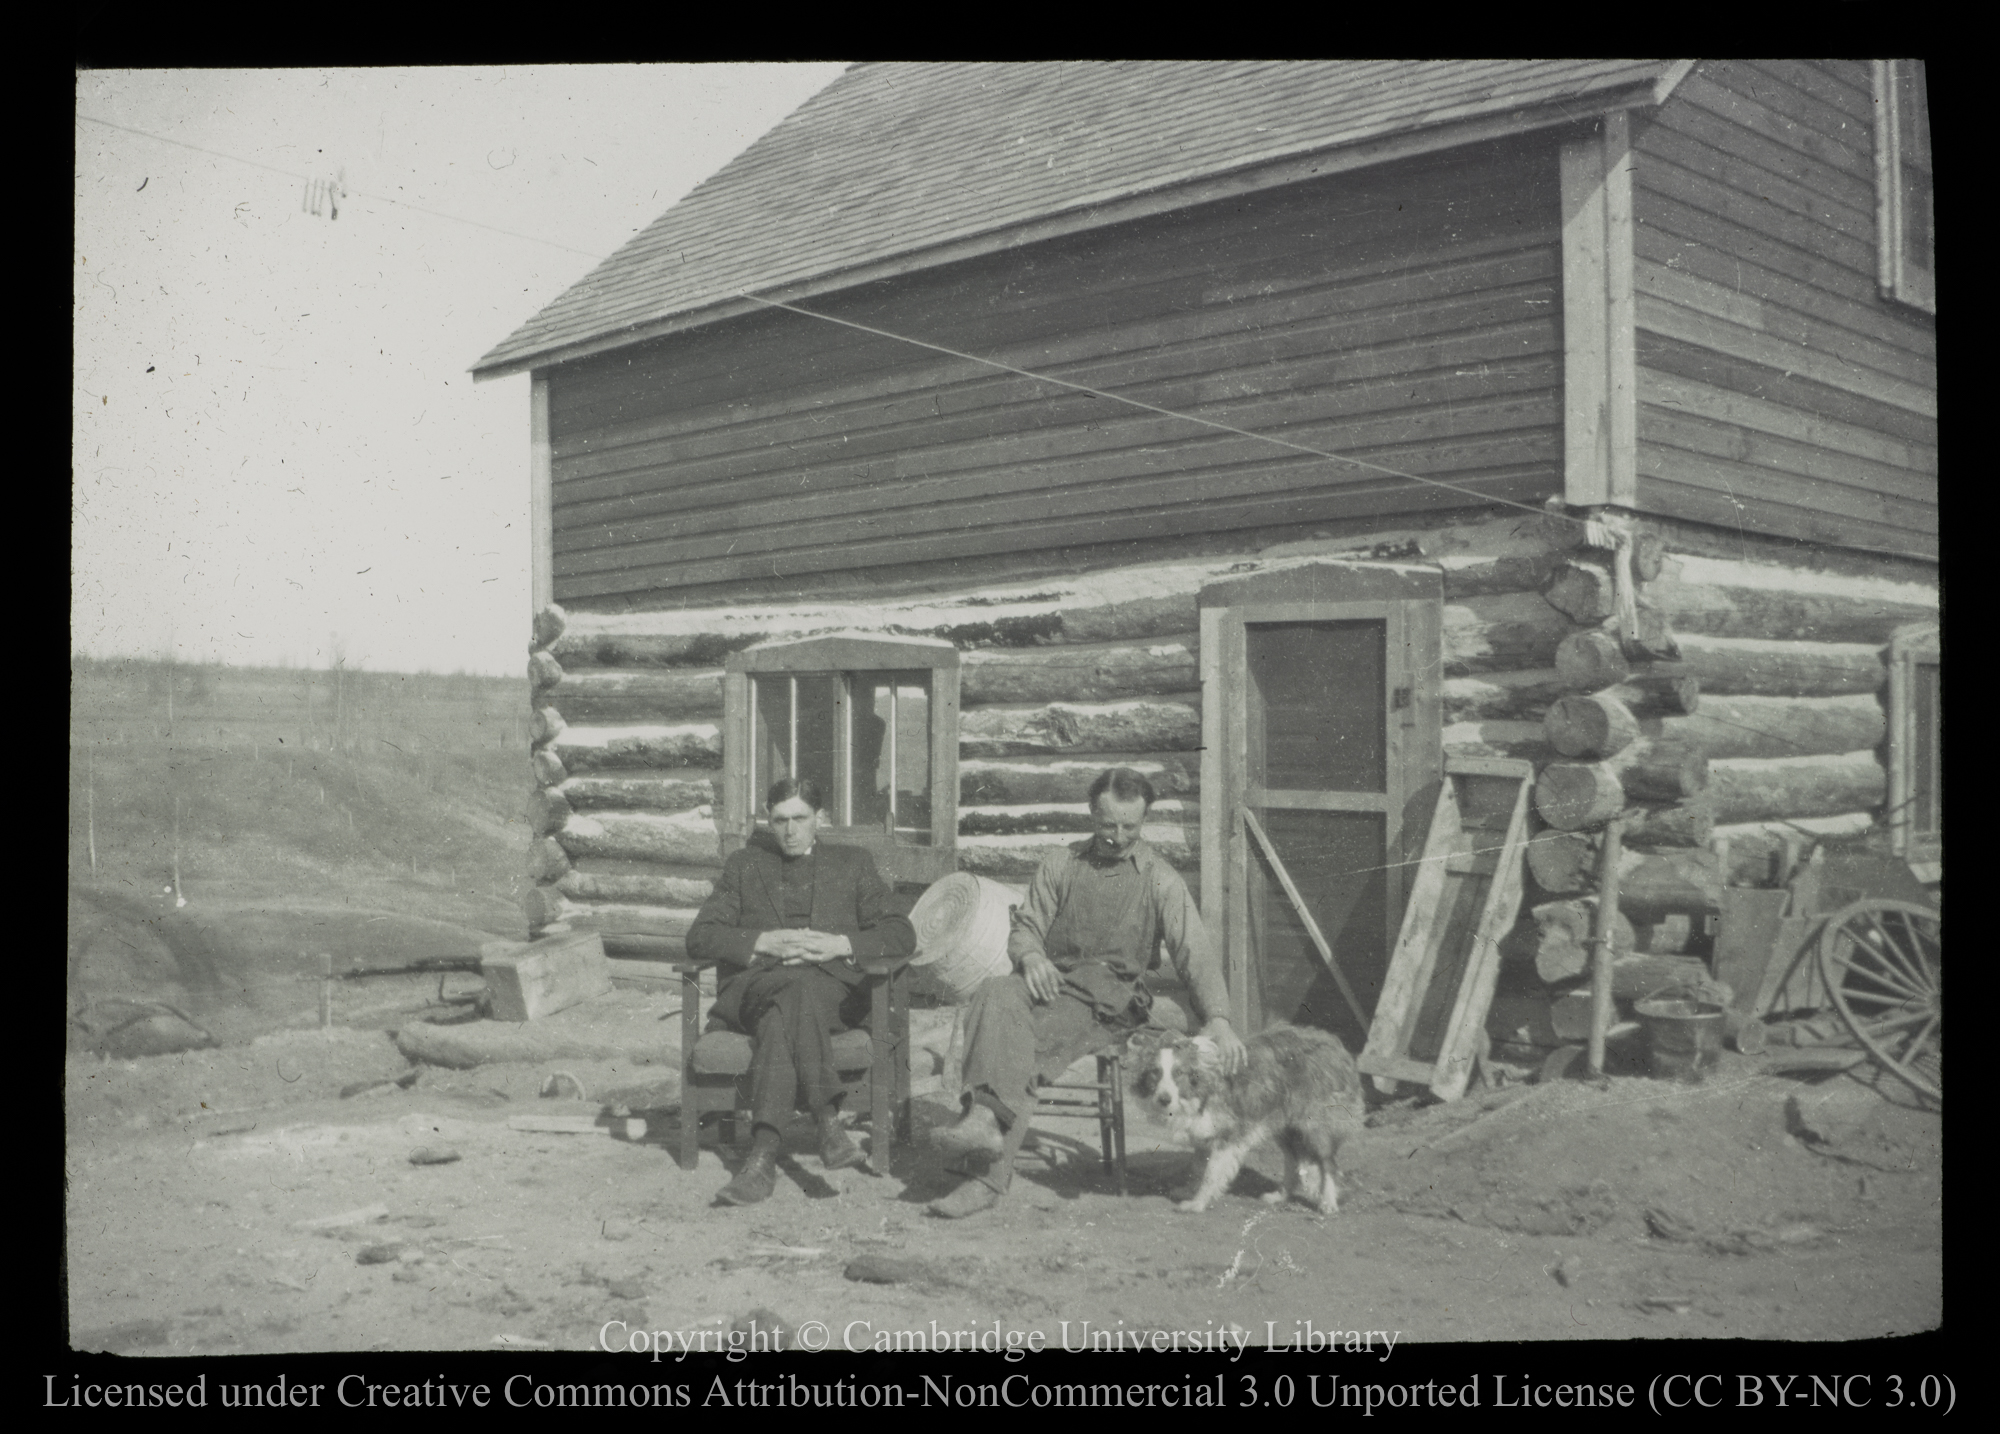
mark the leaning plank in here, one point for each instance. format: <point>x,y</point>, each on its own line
<point>1429,1019</point>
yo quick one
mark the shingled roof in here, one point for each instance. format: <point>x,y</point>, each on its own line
<point>899,166</point>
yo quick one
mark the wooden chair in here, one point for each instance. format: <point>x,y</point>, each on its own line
<point>1102,1100</point>
<point>874,1064</point>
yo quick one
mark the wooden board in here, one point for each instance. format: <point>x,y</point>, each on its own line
<point>1432,1011</point>
<point>1744,942</point>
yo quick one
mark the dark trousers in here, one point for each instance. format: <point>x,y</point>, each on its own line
<point>792,1014</point>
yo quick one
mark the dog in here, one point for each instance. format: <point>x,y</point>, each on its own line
<point>1299,1088</point>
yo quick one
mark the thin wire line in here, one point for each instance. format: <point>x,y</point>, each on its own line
<point>1484,498</point>
<point>353,193</point>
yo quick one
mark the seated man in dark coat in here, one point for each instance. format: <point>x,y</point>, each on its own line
<point>788,919</point>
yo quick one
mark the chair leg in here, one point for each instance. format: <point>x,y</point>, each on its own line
<point>1104,1111</point>
<point>1118,1116</point>
<point>690,1151</point>
<point>882,1081</point>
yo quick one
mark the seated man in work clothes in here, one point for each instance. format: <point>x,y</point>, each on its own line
<point>788,920</point>
<point>1081,943</point>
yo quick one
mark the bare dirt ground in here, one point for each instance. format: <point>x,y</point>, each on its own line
<point>1631,1210</point>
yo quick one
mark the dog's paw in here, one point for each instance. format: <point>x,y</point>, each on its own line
<point>1192,1207</point>
<point>1275,1197</point>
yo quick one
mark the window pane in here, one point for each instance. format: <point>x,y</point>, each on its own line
<point>1320,685</point>
<point>892,752</point>
<point>771,753</point>
<point>816,737</point>
<point>1927,806</point>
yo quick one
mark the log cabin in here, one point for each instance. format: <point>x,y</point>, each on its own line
<point>1275,429</point>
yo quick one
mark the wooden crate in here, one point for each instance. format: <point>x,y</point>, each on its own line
<point>1429,1023</point>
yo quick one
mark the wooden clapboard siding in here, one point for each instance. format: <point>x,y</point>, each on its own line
<point>1778,390</point>
<point>1410,317</point>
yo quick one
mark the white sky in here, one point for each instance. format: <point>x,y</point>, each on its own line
<point>276,439</point>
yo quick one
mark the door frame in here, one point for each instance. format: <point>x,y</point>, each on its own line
<point>1409,602</point>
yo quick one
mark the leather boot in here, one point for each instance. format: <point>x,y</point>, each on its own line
<point>758,1176</point>
<point>977,1132</point>
<point>837,1150</point>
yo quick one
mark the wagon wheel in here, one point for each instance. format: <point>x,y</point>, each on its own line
<point>1882,963</point>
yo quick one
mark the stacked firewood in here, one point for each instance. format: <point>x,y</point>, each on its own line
<point>1626,752</point>
<point>548,808</point>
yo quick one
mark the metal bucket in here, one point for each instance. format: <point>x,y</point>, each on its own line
<point>1685,1037</point>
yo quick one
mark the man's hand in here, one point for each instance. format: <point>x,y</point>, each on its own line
<point>1044,980</point>
<point>813,947</point>
<point>1228,1045</point>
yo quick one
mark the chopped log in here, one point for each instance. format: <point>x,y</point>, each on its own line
<point>1649,556</point>
<point>645,794</point>
<point>1778,726</point>
<point>1669,936</point>
<point>1652,637</point>
<point>642,889</point>
<point>1574,795</point>
<point>1749,789</point>
<point>1541,1021</point>
<point>1727,598</point>
<point>613,694</point>
<point>1555,938</point>
<point>1500,695</point>
<point>1511,632</point>
<point>548,809</point>
<point>1759,667</point>
<point>545,977</point>
<point>642,649</point>
<point>1658,694</point>
<point>1671,882</point>
<point>1078,673</point>
<point>1014,858</point>
<point>636,836</point>
<point>593,749</point>
<point>544,671</point>
<point>1028,779</point>
<point>1591,661</point>
<point>1594,725</point>
<point>1582,592</point>
<point>548,766</point>
<point>545,726</point>
<point>549,624</point>
<point>1135,726</point>
<point>547,860</point>
<point>1685,823</point>
<point>1661,770</point>
<point>1641,977</point>
<point>1561,862</point>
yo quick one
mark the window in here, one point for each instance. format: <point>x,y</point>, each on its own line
<point>1916,756</point>
<point>1905,228</point>
<point>872,720</point>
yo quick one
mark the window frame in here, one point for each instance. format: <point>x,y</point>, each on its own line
<point>1922,848</point>
<point>1901,277</point>
<point>846,658</point>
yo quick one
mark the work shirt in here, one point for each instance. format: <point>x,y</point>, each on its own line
<point>1082,908</point>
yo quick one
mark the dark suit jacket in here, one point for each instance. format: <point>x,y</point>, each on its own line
<point>849,899</point>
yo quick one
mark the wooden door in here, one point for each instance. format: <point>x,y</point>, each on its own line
<point>1329,758</point>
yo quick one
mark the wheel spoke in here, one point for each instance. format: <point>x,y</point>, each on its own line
<point>1888,979</point>
<point>1911,962</point>
<point>1883,1025</point>
<point>1918,1044</point>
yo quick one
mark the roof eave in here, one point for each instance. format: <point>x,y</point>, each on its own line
<point>1180,194</point>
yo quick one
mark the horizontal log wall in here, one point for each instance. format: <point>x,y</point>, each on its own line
<point>1778,390</point>
<point>1061,681</point>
